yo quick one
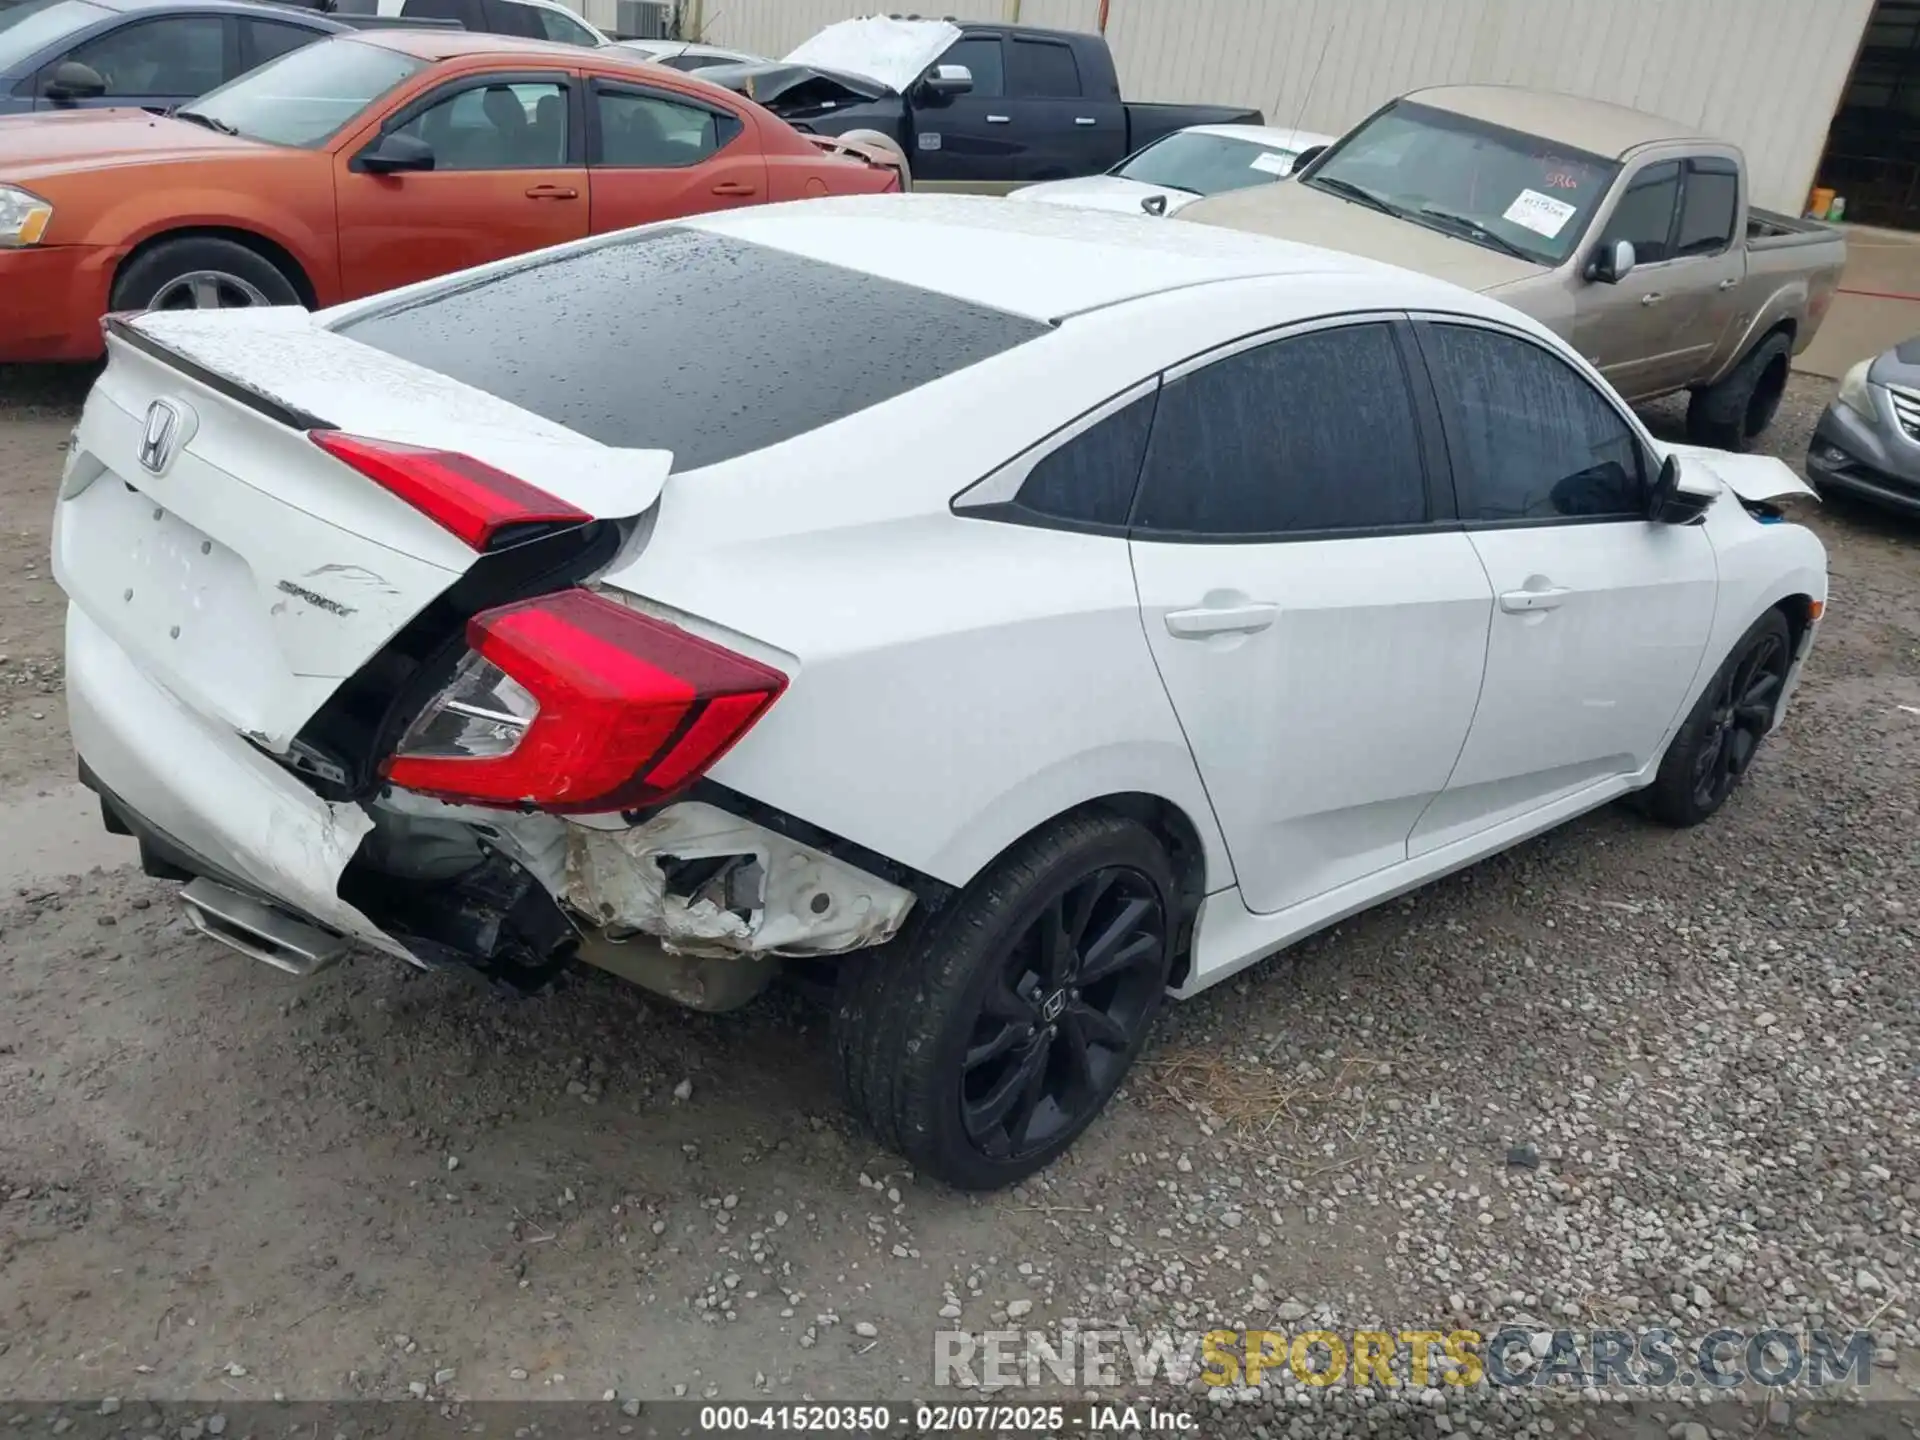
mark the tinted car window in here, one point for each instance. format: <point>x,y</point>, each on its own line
<point>563,29</point>
<point>1531,438</point>
<point>308,94</point>
<point>264,40</point>
<point>1042,69</point>
<point>652,132</point>
<point>1706,215</point>
<point>981,55</point>
<point>496,127</point>
<point>1311,433</point>
<point>682,340</point>
<point>180,55</point>
<point>1091,478</point>
<point>30,26</point>
<point>1644,215</point>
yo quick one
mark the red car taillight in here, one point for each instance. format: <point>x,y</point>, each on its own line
<point>575,703</point>
<point>485,507</point>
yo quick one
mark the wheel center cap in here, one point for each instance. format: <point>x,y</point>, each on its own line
<point>1054,1006</point>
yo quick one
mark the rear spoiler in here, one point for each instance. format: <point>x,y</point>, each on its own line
<point>119,326</point>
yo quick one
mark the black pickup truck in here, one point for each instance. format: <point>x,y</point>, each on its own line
<point>973,106</point>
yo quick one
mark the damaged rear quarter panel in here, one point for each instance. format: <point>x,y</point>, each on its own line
<point>805,902</point>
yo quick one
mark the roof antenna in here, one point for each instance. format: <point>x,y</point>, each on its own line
<point>1312,80</point>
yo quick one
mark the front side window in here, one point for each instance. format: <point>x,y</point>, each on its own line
<point>1706,215</point>
<point>1043,70</point>
<point>1644,216</point>
<point>1310,434</point>
<point>1482,183</point>
<point>28,27</point>
<point>180,55</point>
<point>981,55</point>
<point>521,126</point>
<point>308,95</point>
<point>1532,439</point>
<point>1205,164</point>
<point>651,132</point>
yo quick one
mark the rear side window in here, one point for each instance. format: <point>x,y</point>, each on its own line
<point>1042,70</point>
<point>701,344</point>
<point>1706,216</point>
<point>1310,434</point>
<point>1090,480</point>
<point>264,40</point>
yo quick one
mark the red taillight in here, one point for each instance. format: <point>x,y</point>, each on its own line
<point>485,507</point>
<point>575,703</point>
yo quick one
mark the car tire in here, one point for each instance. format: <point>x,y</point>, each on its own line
<point>1716,745</point>
<point>187,273</point>
<point>963,1050</point>
<point>1734,412</point>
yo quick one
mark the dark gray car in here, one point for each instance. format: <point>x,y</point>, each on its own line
<point>1868,442</point>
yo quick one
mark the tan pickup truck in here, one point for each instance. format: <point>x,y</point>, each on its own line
<point>1626,234</point>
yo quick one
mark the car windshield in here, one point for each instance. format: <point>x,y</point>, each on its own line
<point>32,25</point>
<point>307,95</point>
<point>1485,184</point>
<point>1203,164</point>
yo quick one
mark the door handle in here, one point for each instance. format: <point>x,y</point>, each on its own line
<point>999,119</point>
<point>552,192</point>
<point>1525,602</point>
<point>1208,620</point>
<point>1085,120</point>
<point>735,187</point>
<point>1729,282</point>
<point>1653,299</point>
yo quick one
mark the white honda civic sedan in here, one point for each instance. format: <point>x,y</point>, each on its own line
<point>1027,612</point>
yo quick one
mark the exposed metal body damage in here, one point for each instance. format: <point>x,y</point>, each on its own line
<point>704,882</point>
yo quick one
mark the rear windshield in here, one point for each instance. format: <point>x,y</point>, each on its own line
<point>32,25</point>
<point>676,339</point>
<point>1203,164</point>
<point>307,95</point>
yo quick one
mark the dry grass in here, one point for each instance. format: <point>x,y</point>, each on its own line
<point>1252,1102</point>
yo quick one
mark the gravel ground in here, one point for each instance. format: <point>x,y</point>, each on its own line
<point>1617,1077</point>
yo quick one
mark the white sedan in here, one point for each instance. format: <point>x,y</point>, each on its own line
<point>1188,165</point>
<point>1090,608</point>
<point>688,54</point>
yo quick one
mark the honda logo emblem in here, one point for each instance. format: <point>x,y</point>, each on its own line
<point>169,424</point>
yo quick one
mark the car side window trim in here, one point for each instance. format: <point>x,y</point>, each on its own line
<point>1648,457</point>
<point>995,495</point>
<point>600,85</point>
<point>567,83</point>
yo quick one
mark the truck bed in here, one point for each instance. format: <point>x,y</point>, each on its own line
<point>1770,230</point>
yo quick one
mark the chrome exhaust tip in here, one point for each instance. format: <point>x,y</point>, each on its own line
<point>268,935</point>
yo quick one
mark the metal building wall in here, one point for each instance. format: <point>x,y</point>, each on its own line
<point>1766,74</point>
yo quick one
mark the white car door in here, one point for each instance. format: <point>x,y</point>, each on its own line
<point>1601,616</point>
<point>1318,619</point>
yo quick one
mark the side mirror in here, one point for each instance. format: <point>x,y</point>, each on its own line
<point>946,81</point>
<point>1306,157</point>
<point>1678,498</point>
<point>1154,204</point>
<point>395,152</point>
<point>1611,262</point>
<point>73,81</point>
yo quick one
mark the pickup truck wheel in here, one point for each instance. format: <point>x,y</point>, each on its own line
<point>1733,413</point>
<point>200,272</point>
<point>1715,747</point>
<point>981,1043</point>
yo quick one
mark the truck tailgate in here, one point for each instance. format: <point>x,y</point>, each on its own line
<point>234,561</point>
